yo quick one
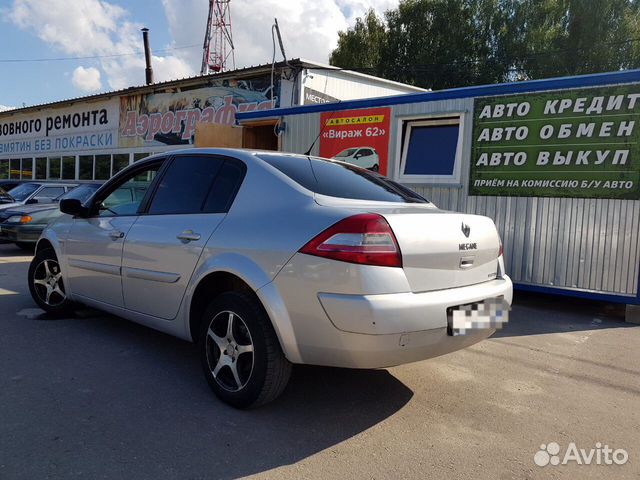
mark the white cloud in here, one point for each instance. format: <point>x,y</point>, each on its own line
<point>99,27</point>
<point>309,27</point>
<point>4,108</point>
<point>95,27</point>
<point>86,79</point>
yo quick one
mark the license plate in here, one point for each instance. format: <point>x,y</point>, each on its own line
<point>489,313</point>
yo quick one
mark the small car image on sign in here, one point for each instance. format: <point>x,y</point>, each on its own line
<point>363,157</point>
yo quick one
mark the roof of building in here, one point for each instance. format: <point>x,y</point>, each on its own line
<point>199,80</point>
<point>529,86</point>
<point>370,78</point>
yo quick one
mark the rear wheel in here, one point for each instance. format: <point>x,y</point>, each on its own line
<point>46,285</point>
<point>240,353</point>
<point>375,168</point>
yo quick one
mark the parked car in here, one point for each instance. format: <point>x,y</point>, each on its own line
<point>363,157</point>
<point>266,259</point>
<point>5,197</point>
<point>23,225</point>
<point>37,192</point>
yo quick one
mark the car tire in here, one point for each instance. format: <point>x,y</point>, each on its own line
<point>375,168</point>
<point>26,246</point>
<point>240,352</point>
<point>46,285</point>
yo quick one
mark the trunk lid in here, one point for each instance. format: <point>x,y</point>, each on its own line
<point>439,249</point>
<point>445,250</point>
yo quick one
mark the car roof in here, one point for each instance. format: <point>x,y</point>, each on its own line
<point>57,184</point>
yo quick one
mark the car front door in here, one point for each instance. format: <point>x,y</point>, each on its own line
<point>94,245</point>
<point>165,243</point>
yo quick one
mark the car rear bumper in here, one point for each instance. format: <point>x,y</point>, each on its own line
<point>406,312</point>
<point>368,330</point>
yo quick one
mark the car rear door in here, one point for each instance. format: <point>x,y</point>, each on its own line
<point>165,243</point>
<point>93,248</point>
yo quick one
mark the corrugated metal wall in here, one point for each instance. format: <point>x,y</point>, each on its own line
<point>574,243</point>
<point>348,86</point>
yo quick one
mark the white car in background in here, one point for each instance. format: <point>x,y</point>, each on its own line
<point>363,157</point>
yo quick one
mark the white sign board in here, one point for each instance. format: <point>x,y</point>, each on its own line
<point>85,126</point>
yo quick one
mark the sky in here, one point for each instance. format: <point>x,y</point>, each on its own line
<point>46,29</point>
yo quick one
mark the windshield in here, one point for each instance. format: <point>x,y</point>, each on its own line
<point>346,153</point>
<point>22,191</point>
<point>342,180</point>
<point>81,192</point>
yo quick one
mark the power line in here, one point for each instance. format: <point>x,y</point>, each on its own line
<point>92,57</point>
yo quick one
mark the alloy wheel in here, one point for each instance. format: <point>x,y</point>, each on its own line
<point>229,350</point>
<point>47,281</point>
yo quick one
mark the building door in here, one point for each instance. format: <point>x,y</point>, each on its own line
<point>260,135</point>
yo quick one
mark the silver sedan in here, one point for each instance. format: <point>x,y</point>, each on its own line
<point>267,259</point>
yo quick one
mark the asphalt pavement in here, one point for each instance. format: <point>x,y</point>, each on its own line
<point>94,396</point>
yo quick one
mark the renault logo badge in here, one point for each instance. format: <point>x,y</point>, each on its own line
<point>466,229</point>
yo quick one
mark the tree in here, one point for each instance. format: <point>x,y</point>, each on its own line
<point>572,37</point>
<point>447,43</point>
<point>361,45</point>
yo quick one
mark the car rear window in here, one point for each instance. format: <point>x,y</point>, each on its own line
<point>341,180</point>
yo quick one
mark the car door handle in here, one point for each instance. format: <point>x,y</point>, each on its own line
<point>188,236</point>
<point>116,234</point>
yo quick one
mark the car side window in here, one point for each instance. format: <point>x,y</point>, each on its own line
<point>186,184</point>
<point>365,152</point>
<point>225,187</point>
<point>126,198</point>
<point>50,192</point>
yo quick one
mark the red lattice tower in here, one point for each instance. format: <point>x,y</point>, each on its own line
<point>218,51</point>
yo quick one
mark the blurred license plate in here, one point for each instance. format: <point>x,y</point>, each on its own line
<point>489,313</point>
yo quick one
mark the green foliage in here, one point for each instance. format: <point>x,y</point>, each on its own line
<point>362,45</point>
<point>447,43</point>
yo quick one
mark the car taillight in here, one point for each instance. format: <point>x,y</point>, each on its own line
<point>501,249</point>
<point>366,239</point>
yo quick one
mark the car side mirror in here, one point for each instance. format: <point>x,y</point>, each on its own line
<point>31,201</point>
<point>73,206</point>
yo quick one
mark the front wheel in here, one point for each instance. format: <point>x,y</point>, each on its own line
<point>240,353</point>
<point>46,285</point>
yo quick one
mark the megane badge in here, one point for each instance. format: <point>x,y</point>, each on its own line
<point>466,229</point>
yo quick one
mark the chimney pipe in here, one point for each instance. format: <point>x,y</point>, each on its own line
<point>147,56</point>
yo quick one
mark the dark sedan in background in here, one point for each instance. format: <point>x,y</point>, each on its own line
<point>23,225</point>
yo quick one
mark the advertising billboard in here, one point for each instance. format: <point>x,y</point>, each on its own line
<point>571,143</point>
<point>80,127</point>
<point>171,118</point>
<point>359,137</point>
